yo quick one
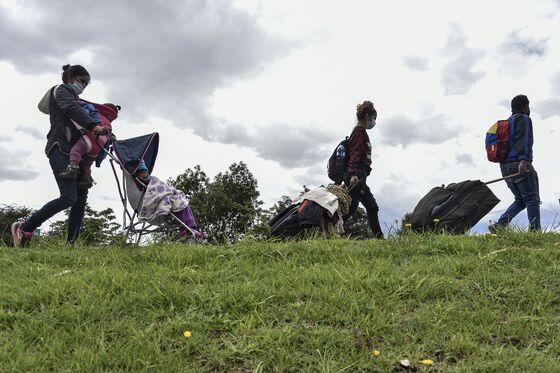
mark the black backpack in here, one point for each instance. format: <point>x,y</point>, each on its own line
<point>338,162</point>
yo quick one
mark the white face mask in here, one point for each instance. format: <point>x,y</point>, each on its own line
<point>78,87</point>
<point>371,124</point>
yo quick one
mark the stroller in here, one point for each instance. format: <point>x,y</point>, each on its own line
<point>128,154</point>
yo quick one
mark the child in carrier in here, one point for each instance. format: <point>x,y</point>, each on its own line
<point>87,148</point>
<point>152,205</point>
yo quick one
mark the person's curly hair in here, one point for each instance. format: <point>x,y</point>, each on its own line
<point>365,108</point>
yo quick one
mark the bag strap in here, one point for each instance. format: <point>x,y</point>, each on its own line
<point>79,128</point>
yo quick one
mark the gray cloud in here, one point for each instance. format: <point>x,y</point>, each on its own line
<point>416,63</point>
<point>555,83</point>
<point>506,102</point>
<point>547,108</point>
<point>290,146</point>
<point>401,130</point>
<point>516,43</point>
<point>13,166</point>
<point>315,175</point>
<point>465,159</point>
<point>551,106</point>
<point>458,75</point>
<point>395,199</point>
<point>5,138</point>
<point>31,131</point>
<point>163,59</point>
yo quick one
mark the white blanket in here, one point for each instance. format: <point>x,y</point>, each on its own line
<point>160,200</point>
<point>321,196</point>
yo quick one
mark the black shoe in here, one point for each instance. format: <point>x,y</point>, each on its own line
<point>70,173</point>
<point>85,182</point>
<point>495,228</point>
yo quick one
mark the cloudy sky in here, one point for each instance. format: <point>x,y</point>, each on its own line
<point>275,83</point>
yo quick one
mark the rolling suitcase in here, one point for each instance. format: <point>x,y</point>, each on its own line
<point>297,218</point>
<point>455,208</point>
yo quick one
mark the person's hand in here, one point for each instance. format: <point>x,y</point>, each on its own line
<point>101,130</point>
<point>353,180</point>
<point>522,168</point>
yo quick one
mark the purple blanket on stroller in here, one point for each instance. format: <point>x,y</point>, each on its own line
<point>160,200</point>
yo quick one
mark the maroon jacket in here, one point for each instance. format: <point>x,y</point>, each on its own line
<point>359,149</point>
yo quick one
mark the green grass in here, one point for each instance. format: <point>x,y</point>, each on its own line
<point>487,304</point>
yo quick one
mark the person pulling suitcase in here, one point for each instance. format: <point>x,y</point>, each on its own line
<point>359,167</point>
<point>518,159</point>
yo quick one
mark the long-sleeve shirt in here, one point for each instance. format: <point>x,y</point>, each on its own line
<point>65,112</point>
<point>521,138</point>
<point>91,110</point>
<point>359,149</point>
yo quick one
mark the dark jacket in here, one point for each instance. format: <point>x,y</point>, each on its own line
<point>64,109</point>
<point>359,150</point>
<point>521,138</point>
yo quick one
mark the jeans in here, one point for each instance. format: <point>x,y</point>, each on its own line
<point>70,197</point>
<point>525,189</point>
<point>362,194</point>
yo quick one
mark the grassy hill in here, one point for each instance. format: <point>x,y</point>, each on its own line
<point>467,303</point>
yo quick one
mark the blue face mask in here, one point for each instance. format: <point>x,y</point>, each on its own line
<point>371,124</point>
<point>78,87</point>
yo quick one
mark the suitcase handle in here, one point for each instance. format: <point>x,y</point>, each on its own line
<point>504,178</point>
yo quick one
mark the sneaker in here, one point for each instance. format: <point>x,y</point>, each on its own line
<point>21,238</point>
<point>71,172</point>
<point>197,234</point>
<point>85,182</point>
<point>494,228</point>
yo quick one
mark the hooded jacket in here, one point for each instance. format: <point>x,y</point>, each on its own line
<point>66,115</point>
<point>521,138</point>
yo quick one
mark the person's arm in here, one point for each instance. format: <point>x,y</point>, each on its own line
<point>93,113</point>
<point>524,129</point>
<point>524,137</point>
<point>66,100</point>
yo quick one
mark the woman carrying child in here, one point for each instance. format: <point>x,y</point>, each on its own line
<point>65,113</point>
<point>87,148</point>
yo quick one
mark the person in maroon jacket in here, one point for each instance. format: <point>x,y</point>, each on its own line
<point>359,167</point>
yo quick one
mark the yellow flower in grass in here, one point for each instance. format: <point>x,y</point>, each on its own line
<point>436,221</point>
<point>493,235</point>
<point>187,334</point>
<point>376,352</point>
<point>408,225</point>
<point>427,362</point>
